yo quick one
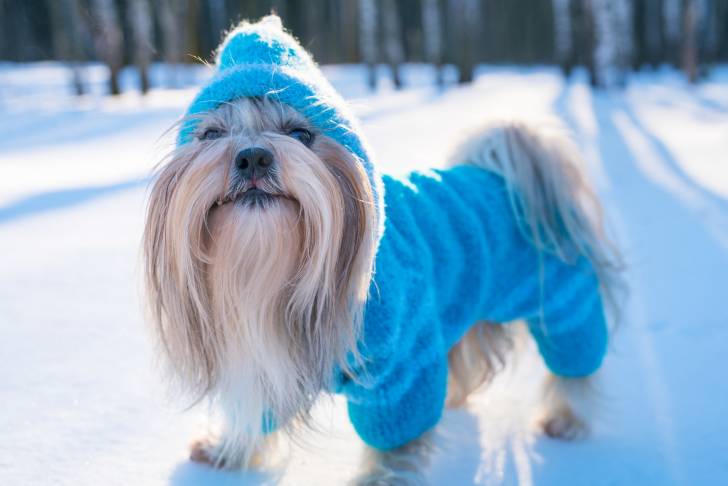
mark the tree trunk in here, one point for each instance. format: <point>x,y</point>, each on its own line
<point>672,27</point>
<point>109,40</point>
<point>708,21</point>
<point>432,32</point>
<point>689,48</point>
<point>191,28</point>
<point>65,17</point>
<point>465,24</point>
<point>218,18</point>
<point>368,44</point>
<point>613,22</point>
<point>563,34</point>
<point>606,42</point>
<point>172,21</point>
<point>624,27</point>
<point>139,15</point>
<point>651,26</point>
<point>588,39</point>
<point>393,48</point>
<point>349,31</point>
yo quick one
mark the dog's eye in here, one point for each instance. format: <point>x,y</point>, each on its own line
<point>302,135</point>
<point>211,134</point>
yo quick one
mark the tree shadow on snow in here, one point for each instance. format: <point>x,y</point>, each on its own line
<point>674,236</point>
<point>62,199</point>
<point>190,474</point>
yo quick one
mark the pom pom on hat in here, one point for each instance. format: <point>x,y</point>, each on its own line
<point>264,42</point>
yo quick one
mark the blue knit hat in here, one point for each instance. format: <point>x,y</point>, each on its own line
<point>263,60</point>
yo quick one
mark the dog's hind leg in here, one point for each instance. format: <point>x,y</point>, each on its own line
<point>403,466</point>
<point>475,360</point>
<point>567,405</point>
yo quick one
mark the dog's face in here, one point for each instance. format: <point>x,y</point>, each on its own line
<point>258,251</point>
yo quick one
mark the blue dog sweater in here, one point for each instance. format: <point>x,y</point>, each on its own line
<point>450,254</point>
<point>453,254</point>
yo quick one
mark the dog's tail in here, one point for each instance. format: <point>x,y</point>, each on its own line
<point>556,209</point>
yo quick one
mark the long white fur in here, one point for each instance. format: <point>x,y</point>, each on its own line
<point>254,306</point>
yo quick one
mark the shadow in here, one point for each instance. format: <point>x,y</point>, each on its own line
<point>62,199</point>
<point>70,127</point>
<point>596,461</point>
<point>189,473</point>
<point>669,219</point>
<point>671,229</point>
<point>456,436</point>
<point>669,161</point>
<point>709,103</point>
<point>425,97</point>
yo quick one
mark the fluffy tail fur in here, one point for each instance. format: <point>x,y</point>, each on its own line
<point>557,211</point>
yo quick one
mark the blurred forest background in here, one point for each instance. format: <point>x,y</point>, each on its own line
<point>608,37</point>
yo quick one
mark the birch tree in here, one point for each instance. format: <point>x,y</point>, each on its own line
<point>139,17</point>
<point>432,36</point>
<point>109,40</point>
<point>613,32</point>
<point>368,39</point>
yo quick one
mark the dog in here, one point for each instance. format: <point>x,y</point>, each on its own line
<point>280,265</point>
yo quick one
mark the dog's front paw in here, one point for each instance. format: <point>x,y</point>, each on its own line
<point>563,424</point>
<point>210,451</point>
<point>207,451</point>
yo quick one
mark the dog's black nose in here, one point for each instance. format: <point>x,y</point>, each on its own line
<point>254,162</point>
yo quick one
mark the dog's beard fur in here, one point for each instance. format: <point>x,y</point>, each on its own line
<point>256,301</point>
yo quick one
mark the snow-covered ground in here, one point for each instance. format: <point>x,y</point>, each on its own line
<point>81,403</point>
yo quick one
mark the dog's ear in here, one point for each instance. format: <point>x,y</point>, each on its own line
<point>358,238</point>
<point>355,239</point>
<point>173,251</point>
<point>353,267</point>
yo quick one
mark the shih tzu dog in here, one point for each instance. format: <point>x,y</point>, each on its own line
<point>281,265</point>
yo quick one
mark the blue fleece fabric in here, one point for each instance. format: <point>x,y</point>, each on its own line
<point>450,254</point>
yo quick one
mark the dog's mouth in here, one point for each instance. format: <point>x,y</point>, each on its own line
<point>253,196</point>
<point>256,197</point>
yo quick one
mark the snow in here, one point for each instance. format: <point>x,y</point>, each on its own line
<point>82,402</point>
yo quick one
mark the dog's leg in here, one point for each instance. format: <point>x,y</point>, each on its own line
<point>567,404</point>
<point>207,450</point>
<point>477,358</point>
<point>402,466</point>
<point>212,451</point>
